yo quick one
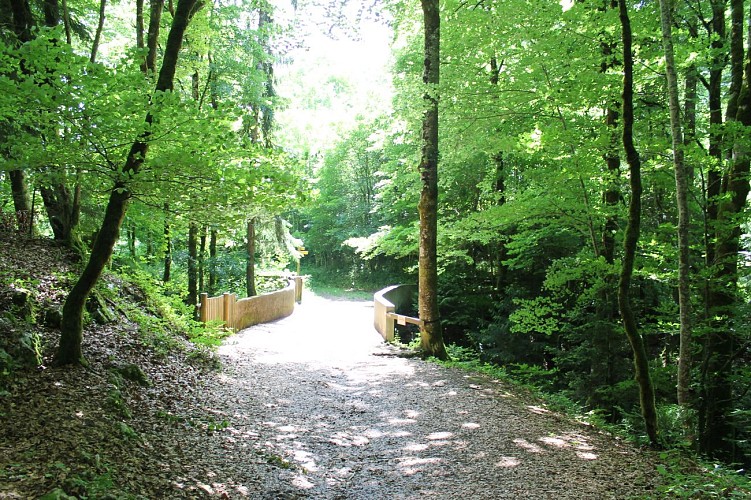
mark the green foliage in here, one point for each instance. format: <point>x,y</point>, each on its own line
<point>96,479</point>
<point>684,478</point>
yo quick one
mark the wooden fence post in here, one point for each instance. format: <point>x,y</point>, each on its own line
<point>204,310</point>
<point>298,289</point>
<point>227,309</point>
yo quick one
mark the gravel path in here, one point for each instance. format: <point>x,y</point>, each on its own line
<point>319,407</point>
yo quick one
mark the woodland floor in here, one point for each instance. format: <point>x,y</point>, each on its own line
<point>312,406</point>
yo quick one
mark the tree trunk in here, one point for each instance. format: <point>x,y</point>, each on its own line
<point>99,29</point>
<point>69,350</point>
<point>167,275</point>
<point>714,176</point>
<point>23,22</point>
<point>192,299</point>
<point>140,42</point>
<point>715,425</point>
<point>132,241</point>
<point>250,258</point>
<point>681,194</point>
<point>612,194</point>
<point>431,334</point>
<point>152,38</point>
<point>631,238</point>
<point>66,23</point>
<point>21,200</point>
<point>202,260</point>
<point>212,262</point>
<point>267,112</point>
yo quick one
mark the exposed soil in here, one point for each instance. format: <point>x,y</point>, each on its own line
<point>312,406</point>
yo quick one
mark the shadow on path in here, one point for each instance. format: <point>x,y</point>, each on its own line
<point>318,409</point>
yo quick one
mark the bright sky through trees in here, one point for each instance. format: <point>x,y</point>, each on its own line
<point>339,74</point>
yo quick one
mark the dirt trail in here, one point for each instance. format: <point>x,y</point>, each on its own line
<point>318,408</point>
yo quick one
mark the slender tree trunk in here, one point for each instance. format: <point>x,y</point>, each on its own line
<point>202,260</point>
<point>192,299</point>
<point>267,112</point>
<point>250,259</point>
<point>689,112</point>
<point>631,238</point>
<point>167,274</point>
<point>681,194</point>
<point>152,40</point>
<point>612,193</point>
<point>212,262</point>
<point>140,42</point>
<point>714,175</point>
<point>70,348</point>
<point>132,241</point>
<point>99,29</point>
<point>431,334</point>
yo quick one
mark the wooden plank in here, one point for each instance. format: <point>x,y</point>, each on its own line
<point>403,320</point>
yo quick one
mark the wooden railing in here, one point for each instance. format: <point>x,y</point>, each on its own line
<point>386,305</point>
<point>239,314</point>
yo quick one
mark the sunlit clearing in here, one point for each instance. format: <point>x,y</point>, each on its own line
<point>586,455</point>
<point>470,425</point>
<point>508,462</point>
<point>350,341</point>
<point>530,447</point>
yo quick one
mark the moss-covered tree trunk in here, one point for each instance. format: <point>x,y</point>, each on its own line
<point>631,238</point>
<point>69,350</point>
<point>431,334</point>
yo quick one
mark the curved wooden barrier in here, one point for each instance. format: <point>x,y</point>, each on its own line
<point>386,306</point>
<point>239,314</point>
